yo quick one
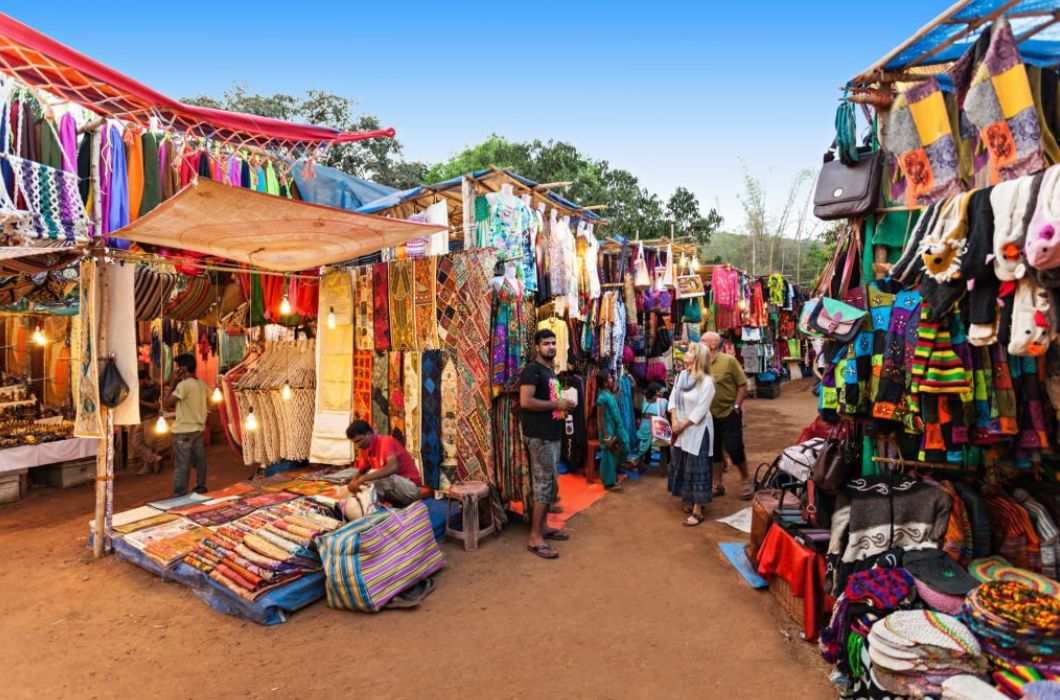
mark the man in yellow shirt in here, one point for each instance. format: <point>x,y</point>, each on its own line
<point>730,390</point>
<point>188,395</point>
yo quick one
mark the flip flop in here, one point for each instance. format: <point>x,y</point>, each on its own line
<point>557,535</point>
<point>543,551</point>
<point>696,520</point>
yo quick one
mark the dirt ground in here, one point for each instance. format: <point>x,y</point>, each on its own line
<point>637,606</point>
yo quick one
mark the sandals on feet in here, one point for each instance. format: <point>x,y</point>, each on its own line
<point>543,551</point>
<point>693,520</point>
<point>557,535</point>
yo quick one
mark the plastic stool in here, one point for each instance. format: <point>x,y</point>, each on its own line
<point>467,497</point>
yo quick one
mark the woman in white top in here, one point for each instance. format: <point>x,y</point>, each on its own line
<point>693,430</point>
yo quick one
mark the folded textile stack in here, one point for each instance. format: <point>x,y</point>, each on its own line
<point>999,569</point>
<point>913,652</point>
<point>1016,625</point>
<point>263,550</point>
<point>1024,681</point>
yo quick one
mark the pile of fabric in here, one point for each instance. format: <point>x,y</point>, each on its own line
<point>263,550</point>
<point>1016,624</point>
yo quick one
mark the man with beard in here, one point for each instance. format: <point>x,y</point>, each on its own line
<point>543,412</point>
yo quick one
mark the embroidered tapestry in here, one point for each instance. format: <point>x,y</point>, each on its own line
<point>380,307</point>
<point>426,309</point>
<point>431,416</point>
<point>364,337</point>
<point>402,306</point>
<point>380,393</point>
<point>88,422</point>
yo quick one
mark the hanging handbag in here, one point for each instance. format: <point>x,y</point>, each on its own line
<point>837,320</point>
<point>804,318</point>
<point>112,388</point>
<point>839,459</point>
<point>641,278</point>
<point>848,185</point>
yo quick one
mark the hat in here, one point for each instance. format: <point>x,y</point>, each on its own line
<point>935,568</point>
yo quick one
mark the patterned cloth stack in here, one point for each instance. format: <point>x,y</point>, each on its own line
<point>1016,625</point>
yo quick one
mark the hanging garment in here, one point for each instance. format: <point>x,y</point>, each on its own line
<point>450,409</point>
<point>193,301</point>
<point>380,394</point>
<point>395,368</point>
<point>506,353</point>
<point>365,337</point>
<point>118,213</point>
<point>425,273</point>
<point>121,338</point>
<point>272,185</point>
<point>380,307</point>
<point>362,385</point>
<point>152,291</point>
<point>438,214</point>
<point>51,198</point>
<point>447,289</point>
<point>88,422</point>
<point>135,168</point>
<point>413,386</point>
<point>84,171</point>
<point>152,173</point>
<point>334,361</point>
<point>431,417</point>
<point>402,305</point>
<point>68,142</point>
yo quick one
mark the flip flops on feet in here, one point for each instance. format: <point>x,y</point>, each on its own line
<point>557,535</point>
<point>693,520</point>
<point>544,551</point>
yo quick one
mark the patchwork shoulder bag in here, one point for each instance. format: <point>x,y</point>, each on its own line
<point>837,320</point>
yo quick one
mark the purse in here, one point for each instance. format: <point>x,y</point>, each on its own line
<point>641,278</point>
<point>838,460</point>
<point>849,182</point>
<point>808,308</point>
<point>836,319</point>
<point>112,388</point>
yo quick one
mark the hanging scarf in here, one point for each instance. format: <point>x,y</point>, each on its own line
<point>380,393</point>
<point>362,385</point>
<point>380,307</point>
<point>426,310</point>
<point>364,338</point>
<point>397,396</point>
<point>402,306</point>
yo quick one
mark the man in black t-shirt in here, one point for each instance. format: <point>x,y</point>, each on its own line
<point>542,416</point>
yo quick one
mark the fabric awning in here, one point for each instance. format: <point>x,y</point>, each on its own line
<point>43,62</point>
<point>26,260</point>
<point>265,231</point>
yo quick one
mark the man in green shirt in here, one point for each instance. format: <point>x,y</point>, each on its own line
<point>188,395</point>
<point>730,390</point>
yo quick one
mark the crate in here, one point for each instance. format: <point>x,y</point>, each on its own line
<point>13,485</point>
<point>768,390</point>
<point>795,607</point>
<point>67,474</point>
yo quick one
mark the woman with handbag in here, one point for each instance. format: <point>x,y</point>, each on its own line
<point>613,438</point>
<point>693,428</point>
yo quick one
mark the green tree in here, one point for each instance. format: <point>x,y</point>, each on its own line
<point>379,160</point>
<point>682,210</point>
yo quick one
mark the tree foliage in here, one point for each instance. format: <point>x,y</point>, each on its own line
<point>379,160</point>
<point>631,208</point>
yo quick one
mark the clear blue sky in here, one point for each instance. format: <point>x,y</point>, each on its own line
<point>675,92</point>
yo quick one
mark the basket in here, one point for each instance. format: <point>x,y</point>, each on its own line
<point>768,390</point>
<point>795,607</point>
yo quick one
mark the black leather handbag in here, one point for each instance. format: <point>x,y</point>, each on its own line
<point>845,191</point>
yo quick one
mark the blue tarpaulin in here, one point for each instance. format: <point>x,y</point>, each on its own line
<point>1033,21</point>
<point>334,188</point>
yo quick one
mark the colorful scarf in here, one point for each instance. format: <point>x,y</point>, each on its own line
<point>380,307</point>
<point>426,309</point>
<point>362,385</point>
<point>402,306</point>
<point>88,422</point>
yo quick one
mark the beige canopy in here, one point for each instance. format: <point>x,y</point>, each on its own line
<point>266,231</point>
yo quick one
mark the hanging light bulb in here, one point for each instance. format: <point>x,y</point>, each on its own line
<point>683,262</point>
<point>694,265</point>
<point>331,318</point>
<point>285,306</point>
<point>39,338</point>
<point>285,392</point>
<point>251,423</point>
<point>161,426</point>
<point>217,396</point>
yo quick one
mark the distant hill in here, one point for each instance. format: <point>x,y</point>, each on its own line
<point>735,249</point>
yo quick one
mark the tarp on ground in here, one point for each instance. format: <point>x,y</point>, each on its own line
<point>265,231</point>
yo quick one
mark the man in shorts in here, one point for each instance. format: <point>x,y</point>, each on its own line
<point>542,414</point>
<point>730,390</point>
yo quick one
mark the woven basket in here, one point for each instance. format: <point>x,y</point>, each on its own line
<point>795,607</point>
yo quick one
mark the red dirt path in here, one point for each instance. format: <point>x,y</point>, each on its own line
<point>636,606</point>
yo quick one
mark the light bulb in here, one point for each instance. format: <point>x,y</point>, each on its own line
<point>161,427</point>
<point>695,265</point>
<point>331,318</point>
<point>683,262</point>
<point>217,396</point>
<point>251,423</point>
<point>39,338</point>
<point>285,306</point>
<point>285,392</point>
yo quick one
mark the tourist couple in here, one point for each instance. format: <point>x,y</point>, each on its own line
<point>706,417</point>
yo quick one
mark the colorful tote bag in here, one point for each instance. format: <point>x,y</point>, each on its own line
<point>369,561</point>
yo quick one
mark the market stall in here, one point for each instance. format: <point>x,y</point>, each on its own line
<point>929,513</point>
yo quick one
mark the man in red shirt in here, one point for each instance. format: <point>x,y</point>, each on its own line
<point>385,463</point>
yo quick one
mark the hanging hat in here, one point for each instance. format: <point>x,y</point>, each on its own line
<point>1043,234</point>
<point>1031,330</point>
<point>1010,201</point>
<point>943,246</point>
<point>935,568</point>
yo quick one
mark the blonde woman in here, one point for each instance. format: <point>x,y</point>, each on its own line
<point>693,428</point>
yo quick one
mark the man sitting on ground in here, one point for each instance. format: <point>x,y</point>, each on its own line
<point>385,463</point>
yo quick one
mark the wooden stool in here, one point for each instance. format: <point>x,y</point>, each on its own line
<point>467,496</point>
<point>590,461</point>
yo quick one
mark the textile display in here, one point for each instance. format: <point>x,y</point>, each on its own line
<point>362,385</point>
<point>368,562</point>
<point>450,409</point>
<point>121,337</point>
<point>380,307</point>
<point>193,301</point>
<point>396,389</point>
<point>334,391</point>
<point>447,290</point>
<point>426,309</point>
<point>152,291</point>
<point>472,271</point>
<point>52,197</point>
<point>403,334</point>
<point>380,393</point>
<point>411,397</point>
<point>995,94</point>
<point>365,337</point>
<point>431,417</point>
<point>89,422</point>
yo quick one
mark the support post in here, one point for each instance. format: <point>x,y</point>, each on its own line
<point>467,194</point>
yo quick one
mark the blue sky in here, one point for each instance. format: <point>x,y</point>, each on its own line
<point>676,92</point>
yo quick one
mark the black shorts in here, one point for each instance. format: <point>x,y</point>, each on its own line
<point>728,434</point>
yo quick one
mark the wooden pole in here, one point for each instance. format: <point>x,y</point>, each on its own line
<point>467,193</point>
